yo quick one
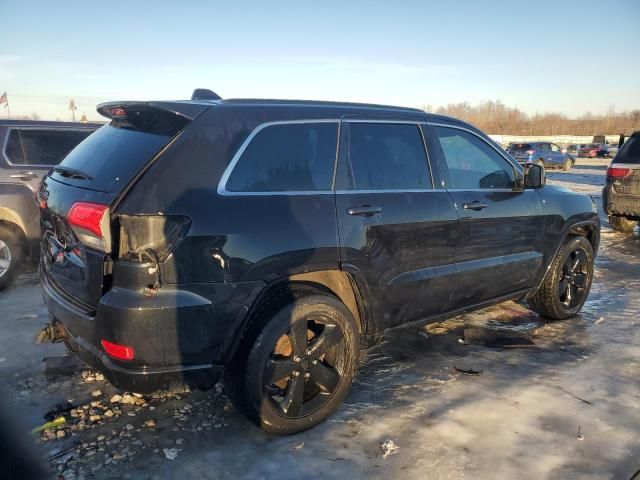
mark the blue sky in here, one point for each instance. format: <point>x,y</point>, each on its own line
<point>567,56</point>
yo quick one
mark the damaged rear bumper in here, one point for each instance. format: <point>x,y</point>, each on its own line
<point>152,328</point>
<point>615,203</point>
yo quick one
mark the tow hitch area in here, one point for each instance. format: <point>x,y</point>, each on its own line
<point>50,333</point>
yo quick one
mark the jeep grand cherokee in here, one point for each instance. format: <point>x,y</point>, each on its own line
<point>271,239</point>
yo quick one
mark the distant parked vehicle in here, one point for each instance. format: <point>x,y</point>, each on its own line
<point>545,154</point>
<point>29,150</point>
<point>621,194</point>
<point>594,150</point>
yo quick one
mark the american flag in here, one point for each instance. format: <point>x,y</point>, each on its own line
<point>3,99</point>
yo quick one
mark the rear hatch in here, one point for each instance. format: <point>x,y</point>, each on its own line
<point>520,151</point>
<point>77,198</point>
<point>624,171</point>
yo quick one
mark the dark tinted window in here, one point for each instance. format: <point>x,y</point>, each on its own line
<point>520,147</point>
<point>291,157</point>
<point>112,156</point>
<point>630,151</point>
<point>386,157</point>
<point>30,146</point>
<point>472,162</point>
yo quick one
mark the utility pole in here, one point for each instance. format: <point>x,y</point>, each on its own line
<point>73,108</point>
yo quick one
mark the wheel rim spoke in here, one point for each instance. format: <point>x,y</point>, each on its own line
<point>292,402</point>
<point>298,337</point>
<point>580,280</point>
<point>278,369</point>
<point>4,264</point>
<point>568,265</point>
<point>579,260</point>
<point>325,377</point>
<point>330,337</point>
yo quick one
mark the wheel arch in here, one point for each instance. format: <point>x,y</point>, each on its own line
<point>336,283</point>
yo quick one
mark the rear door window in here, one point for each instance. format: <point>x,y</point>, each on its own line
<point>472,162</point>
<point>384,156</point>
<point>287,157</point>
<point>630,152</point>
<point>520,147</point>
<point>40,146</point>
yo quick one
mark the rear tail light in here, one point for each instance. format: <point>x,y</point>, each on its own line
<point>615,172</point>
<point>530,152</point>
<point>119,352</point>
<point>90,222</point>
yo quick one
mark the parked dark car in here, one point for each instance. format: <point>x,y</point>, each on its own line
<point>272,239</point>
<point>545,154</point>
<point>594,151</point>
<point>29,150</point>
<point>621,194</point>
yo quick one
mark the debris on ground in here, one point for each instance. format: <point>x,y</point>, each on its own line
<point>389,448</point>
<point>468,371</point>
<point>298,446</point>
<point>171,453</point>
<point>579,436</point>
<point>52,424</point>
<point>600,320</point>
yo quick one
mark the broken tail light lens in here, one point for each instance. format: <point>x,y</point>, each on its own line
<point>90,222</point>
<point>119,352</point>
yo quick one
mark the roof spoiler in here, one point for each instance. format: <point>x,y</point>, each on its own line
<point>122,110</point>
<point>205,94</point>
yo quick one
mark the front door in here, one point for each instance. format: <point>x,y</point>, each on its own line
<point>398,233</point>
<point>499,250</point>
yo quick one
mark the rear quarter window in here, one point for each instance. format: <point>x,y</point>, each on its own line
<point>630,151</point>
<point>287,157</point>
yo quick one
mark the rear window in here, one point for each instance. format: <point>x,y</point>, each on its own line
<point>519,147</point>
<point>40,146</point>
<point>292,157</point>
<point>112,156</point>
<point>630,151</point>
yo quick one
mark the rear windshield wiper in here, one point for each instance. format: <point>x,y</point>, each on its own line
<point>72,173</point>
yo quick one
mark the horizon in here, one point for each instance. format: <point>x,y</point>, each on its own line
<point>424,54</point>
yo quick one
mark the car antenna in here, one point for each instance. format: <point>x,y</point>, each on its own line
<point>205,94</point>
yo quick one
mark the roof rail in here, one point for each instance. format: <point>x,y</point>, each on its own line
<point>204,94</point>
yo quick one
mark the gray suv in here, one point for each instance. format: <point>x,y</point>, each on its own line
<point>29,150</point>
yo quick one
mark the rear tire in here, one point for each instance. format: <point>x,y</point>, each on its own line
<point>540,162</point>
<point>280,379</point>
<point>567,284</point>
<point>567,164</point>
<point>622,224</point>
<point>11,256</point>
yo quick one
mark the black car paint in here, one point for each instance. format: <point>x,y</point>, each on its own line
<point>419,258</point>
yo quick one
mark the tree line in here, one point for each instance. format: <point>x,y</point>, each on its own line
<point>494,117</point>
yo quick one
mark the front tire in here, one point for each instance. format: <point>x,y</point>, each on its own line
<point>11,256</point>
<point>567,284</point>
<point>294,371</point>
<point>622,224</point>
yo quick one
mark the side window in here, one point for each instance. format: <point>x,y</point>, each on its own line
<point>554,148</point>
<point>30,146</point>
<point>383,156</point>
<point>287,157</point>
<point>472,162</point>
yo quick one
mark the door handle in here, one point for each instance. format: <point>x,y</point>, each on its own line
<point>365,210</point>
<point>475,205</point>
<point>24,176</point>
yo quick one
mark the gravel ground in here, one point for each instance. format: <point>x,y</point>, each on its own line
<point>555,399</point>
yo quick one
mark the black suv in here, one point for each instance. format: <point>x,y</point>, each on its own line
<point>29,150</point>
<point>621,194</point>
<point>272,239</point>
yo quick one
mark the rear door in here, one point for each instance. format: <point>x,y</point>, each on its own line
<point>499,249</point>
<point>398,232</point>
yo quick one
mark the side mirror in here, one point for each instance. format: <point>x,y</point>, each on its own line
<point>534,176</point>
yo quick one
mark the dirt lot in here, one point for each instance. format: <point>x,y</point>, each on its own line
<point>554,400</point>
